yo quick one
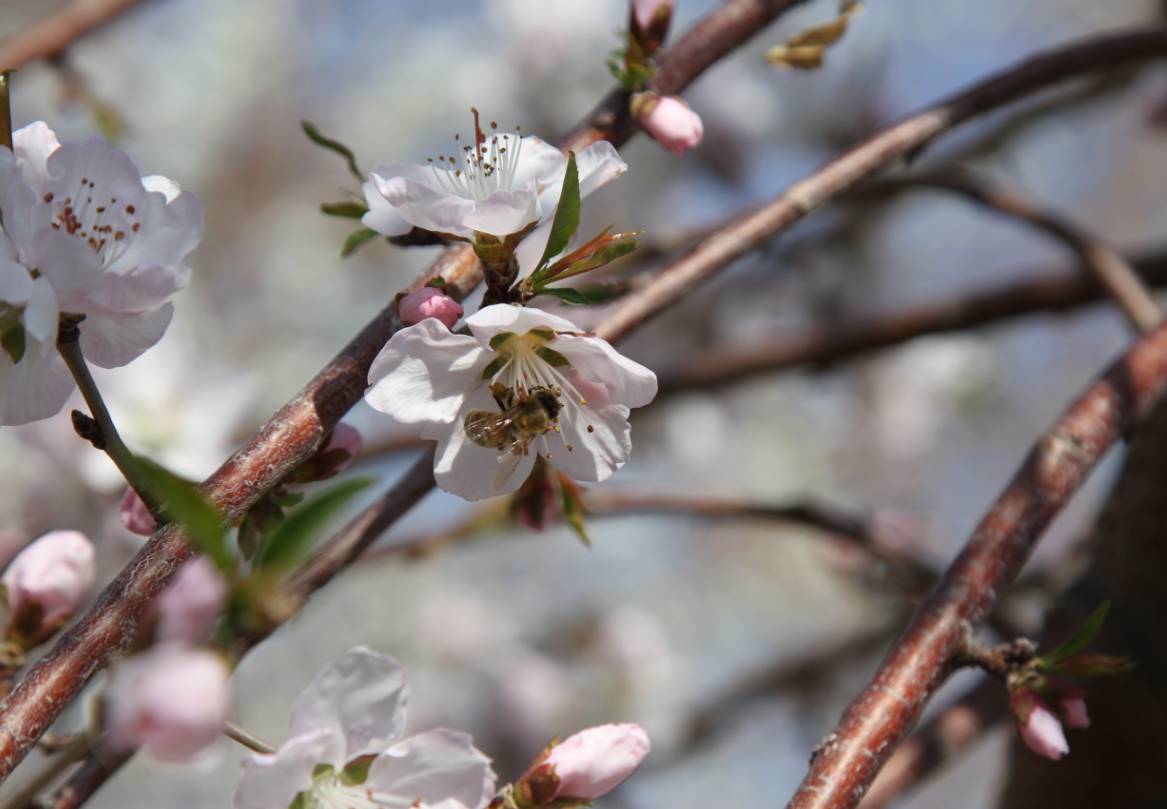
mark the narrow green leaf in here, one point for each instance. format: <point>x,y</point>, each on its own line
<point>355,240</point>
<point>291,539</point>
<point>604,255</point>
<point>1081,638</point>
<point>346,210</point>
<point>331,145</point>
<point>1093,665</point>
<point>185,505</point>
<point>578,296</point>
<point>566,221</point>
<point>573,508</point>
<point>13,343</point>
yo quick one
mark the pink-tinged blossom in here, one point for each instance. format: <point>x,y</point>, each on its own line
<point>135,517</point>
<point>356,708</point>
<point>189,606</point>
<point>1073,710</point>
<point>172,701</point>
<point>499,187</point>
<point>646,12</point>
<point>84,234</point>
<point>668,120</point>
<point>430,378</point>
<point>51,575</point>
<point>595,761</point>
<point>1042,732</point>
<point>429,302</point>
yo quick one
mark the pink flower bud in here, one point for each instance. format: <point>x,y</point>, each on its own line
<point>429,302</point>
<point>1073,711</point>
<point>51,575</point>
<point>345,438</point>
<point>170,700</point>
<point>187,609</point>
<point>646,12</point>
<point>1042,732</point>
<point>669,120</point>
<point>595,761</point>
<point>135,516</point>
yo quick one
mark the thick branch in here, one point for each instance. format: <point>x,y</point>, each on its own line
<point>295,432</point>
<point>825,347</point>
<point>922,658</point>
<point>55,33</point>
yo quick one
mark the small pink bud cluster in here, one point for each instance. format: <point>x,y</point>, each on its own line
<point>344,444</point>
<point>585,766</point>
<point>1041,725</point>
<point>189,607</point>
<point>45,585</point>
<point>428,302</point>
<point>134,515</point>
<point>668,120</point>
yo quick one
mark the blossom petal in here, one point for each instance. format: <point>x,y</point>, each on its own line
<point>93,169</point>
<point>600,441</point>
<point>69,264</point>
<point>504,212</point>
<point>42,314</point>
<point>15,283</point>
<point>273,781</point>
<point>491,320</point>
<point>360,696</point>
<point>34,388</point>
<point>112,340</point>
<point>432,769</point>
<point>381,216</point>
<point>17,203</point>
<point>32,145</point>
<point>541,165</point>
<point>598,165</point>
<point>171,226</point>
<point>422,374</point>
<point>530,249</point>
<point>627,381</point>
<point>472,472</point>
<point>135,291</point>
<point>416,194</point>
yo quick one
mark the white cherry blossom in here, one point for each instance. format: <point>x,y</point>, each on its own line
<point>431,378</point>
<point>354,713</point>
<point>499,185</point>
<point>84,234</point>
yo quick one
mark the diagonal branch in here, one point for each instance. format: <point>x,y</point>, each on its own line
<point>823,348</point>
<point>921,660</point>
<point>295,432</point>
<point>58,31</point>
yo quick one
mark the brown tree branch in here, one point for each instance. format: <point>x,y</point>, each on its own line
<point>922,658</point>
<point>58,31</point>
<point>1109,268</point>
<point>825,347</point>
<point>295,432</point>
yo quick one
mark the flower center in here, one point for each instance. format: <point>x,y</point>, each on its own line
<point>330,792</point>
<point>486,167</point>
<point>100,221</point>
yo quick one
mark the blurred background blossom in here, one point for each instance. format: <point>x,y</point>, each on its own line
<point>519,637</point>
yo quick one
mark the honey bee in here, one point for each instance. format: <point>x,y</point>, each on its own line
<point>511,429</point>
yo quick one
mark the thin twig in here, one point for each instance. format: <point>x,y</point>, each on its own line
<point>923,657</point>
<point>248,740</point>
<point>295,432</point>
<point>1107,266</point>
<point>57,32</point>
<point>57,763</point>
<point>5,111</point>
<point>826,347</point>
<point>108,440</point>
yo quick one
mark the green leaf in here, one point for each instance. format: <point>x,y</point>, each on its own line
<point>355,240</point>
<point>598,258</point>
<point>573,295</point>
<point>437,282</point>
<point>346,210</point>
<point>184,504</point>
<point>1081,638</point>
<point>573,508</point>
<point>290,540</point>
<point>566,221</point>
<point>1094,665</point>
<point>331,145</point>
<point>13,343</point>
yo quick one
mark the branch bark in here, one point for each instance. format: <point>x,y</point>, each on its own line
<point>58,31</point>
<point>921,660</point>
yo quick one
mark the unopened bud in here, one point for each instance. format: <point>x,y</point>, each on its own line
<point>1074,714</point>
<point>429,302</point>
<point>188,608</point>
<point>171,701</point>
<point>343,446</point>
<point>650,22</point>
<point>1039,727</point>
<point>595,761</point>
<point>45,585</point>
<point>669,120</point>
<point>134,515</point>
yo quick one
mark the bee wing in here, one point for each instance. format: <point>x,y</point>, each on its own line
<point>508,462</point>
<point>488,429</point>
